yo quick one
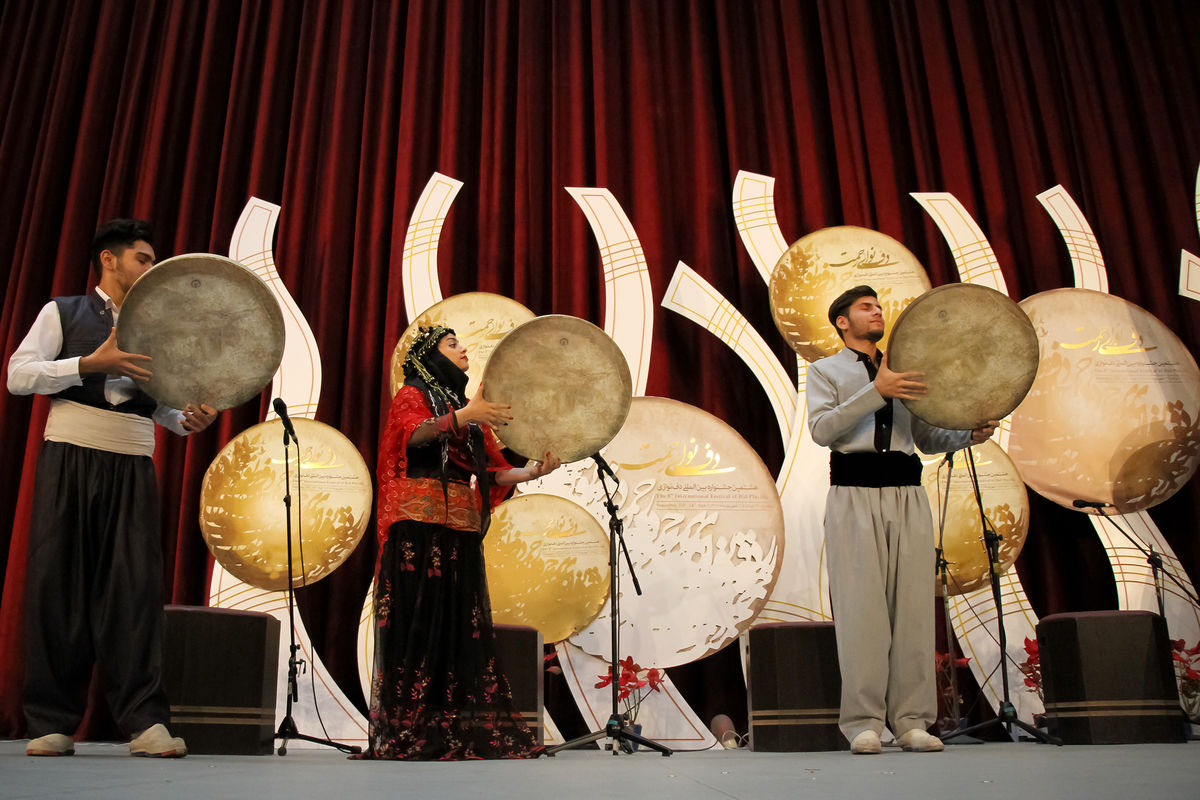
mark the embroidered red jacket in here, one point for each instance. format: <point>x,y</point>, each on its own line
<point>402,496</point>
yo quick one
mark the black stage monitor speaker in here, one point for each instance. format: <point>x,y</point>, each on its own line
<point>220,669</point>
<point>1108,679</point>
<point>519,656</point>
<point>794,687</point>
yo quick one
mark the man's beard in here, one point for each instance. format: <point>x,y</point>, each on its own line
<point>874,336</point>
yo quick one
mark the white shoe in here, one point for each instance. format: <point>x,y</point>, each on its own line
<point>866,743</point>
<point>918,741</point>
<point>156,742</point>
<point>52,744</point>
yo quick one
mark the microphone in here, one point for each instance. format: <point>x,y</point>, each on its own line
<point>281,410</point>
<point>604,468</point>
<point>1091,504</point>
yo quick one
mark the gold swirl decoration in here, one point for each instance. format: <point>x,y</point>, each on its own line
<point>1005,502</point>
<point>820,266</point>
<point>479,320</point>
<point>242,512</point>
<point>1114,413</point>
<point>547,565</point>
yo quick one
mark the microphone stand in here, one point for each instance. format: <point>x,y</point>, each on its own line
<point>287,727</point>
<point>1007,715</point>
<point>615,728</point>
<point>943,569</point>
<point>1153,558</point>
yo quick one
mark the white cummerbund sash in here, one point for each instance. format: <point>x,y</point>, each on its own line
<point>87,426</point>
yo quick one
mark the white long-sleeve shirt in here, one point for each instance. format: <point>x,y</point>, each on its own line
<point>34,367</point>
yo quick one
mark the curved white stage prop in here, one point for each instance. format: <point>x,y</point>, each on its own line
<point>298,382</point>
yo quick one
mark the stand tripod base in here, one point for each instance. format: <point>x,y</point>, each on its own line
<point>960,737</point>
<point>1006,716</point>
<point>618,733</point>
<point>288,730</point>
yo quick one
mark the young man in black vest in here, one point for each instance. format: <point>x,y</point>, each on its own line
<point>93,589</point>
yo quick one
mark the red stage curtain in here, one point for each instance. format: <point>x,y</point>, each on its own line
<point>340,111</point>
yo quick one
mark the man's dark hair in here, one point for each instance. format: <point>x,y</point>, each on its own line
<point>841,305</point>
<point>116,235</point>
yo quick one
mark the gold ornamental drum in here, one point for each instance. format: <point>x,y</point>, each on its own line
<point>951,495</point>
<point>1114,415</point>
<point>820,266</point>
<point>547,565</point>
<point>242,515</point>
<point>479,320</point>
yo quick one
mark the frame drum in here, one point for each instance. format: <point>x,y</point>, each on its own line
<point>977,349</point>
<point>213,330</point>
<point>568,384</point>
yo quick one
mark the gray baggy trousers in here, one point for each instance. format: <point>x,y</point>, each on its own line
<point>881,578</point>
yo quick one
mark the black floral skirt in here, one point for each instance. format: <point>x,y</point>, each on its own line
<point>436,692</point>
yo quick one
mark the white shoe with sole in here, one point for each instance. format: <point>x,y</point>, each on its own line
<point>865,744</point>
<point>918,741</point>
<point>52,744</point>
<point>156,742</point>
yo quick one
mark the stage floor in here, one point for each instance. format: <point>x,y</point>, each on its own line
<point>979,772</point>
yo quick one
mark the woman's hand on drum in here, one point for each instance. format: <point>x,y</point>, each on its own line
<point>902,385</point>
<point>484,411</point>
<point>984,431</point>
<point>544,467</point>
<point>530,472</point>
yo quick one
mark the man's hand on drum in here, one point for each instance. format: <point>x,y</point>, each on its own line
<point>111,360</point>
<point>984,431</point>
<point>901,385</point>
<point>197,417</point>
<point>484,411</point>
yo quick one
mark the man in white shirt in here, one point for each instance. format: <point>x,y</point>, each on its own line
<point>878,529</point>
<point>93,589</point>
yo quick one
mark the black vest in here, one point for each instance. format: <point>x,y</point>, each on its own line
<point>86,323</point>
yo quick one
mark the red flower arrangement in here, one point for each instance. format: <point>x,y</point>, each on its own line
<point>632,685</point>
<point>1031,668</point>
<point>948,696</point>
<point>1186,660</point>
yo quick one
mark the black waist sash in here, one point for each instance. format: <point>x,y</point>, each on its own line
<point>874,469</point>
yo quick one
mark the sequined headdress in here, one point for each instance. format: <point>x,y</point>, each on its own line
<point>424,363</point>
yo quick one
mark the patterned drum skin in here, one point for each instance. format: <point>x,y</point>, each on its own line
<point>1114,414</point>
<point>703,525</point>
<point>977,349</point>
<point>568,384</point>
<point>213,330</point>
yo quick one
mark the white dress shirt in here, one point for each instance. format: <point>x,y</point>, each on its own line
<point>35,369</point>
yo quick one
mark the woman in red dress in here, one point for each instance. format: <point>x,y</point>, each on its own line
<point>436,692</point>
